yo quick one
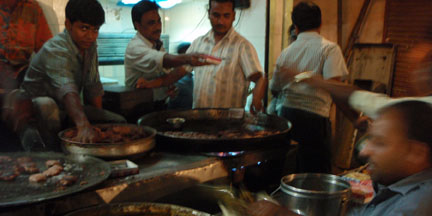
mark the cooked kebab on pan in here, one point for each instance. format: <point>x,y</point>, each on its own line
<point>11,168</point>
<point>221,134</point>
<point>113,134</point>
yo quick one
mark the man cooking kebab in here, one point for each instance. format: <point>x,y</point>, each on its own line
<point>225,85</point>
<point>147,65</point>
<point>65,67</point>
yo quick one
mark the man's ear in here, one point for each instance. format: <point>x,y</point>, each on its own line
<point>419,152</point>
<point>68,24</point>
<point>135,24</point>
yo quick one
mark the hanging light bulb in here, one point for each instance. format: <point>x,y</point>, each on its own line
<point>162,3</point>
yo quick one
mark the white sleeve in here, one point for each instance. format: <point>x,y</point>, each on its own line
<point>368,102</point>
<point>334,65</point>
<point>145,59</point>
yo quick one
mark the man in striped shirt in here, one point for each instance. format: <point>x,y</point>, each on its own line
<point>308,108</point>
<point>225,85</point>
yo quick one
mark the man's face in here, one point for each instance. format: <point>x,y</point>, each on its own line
<point>84,35</point>
<point>386,149</point>
<point>150,26</point>
<point>221,15</point>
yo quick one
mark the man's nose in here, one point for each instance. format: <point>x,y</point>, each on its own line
<point>365,152</point>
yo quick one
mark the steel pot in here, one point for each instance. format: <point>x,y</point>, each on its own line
<point>314,194</point>
<point>112,150</point>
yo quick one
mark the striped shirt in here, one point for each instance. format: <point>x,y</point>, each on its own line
<point>224,85</point>
<point>310,52</point>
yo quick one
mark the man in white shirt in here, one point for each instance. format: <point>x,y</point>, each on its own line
<point>145,57</point>
<point>225,85</point>
<point>308,108</point>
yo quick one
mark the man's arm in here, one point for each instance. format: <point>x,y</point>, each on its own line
<point>163,81</point>
<point>338,90</point>
<point>96,102</point>
<point>258,92</point>
<point>193,59</point>
<point>75,111</point>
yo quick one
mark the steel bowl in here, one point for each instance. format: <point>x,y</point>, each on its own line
<point>314,194</point>
<point>111,150</point>
<point>176,122</point>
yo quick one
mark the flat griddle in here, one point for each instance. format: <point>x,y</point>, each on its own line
<point>212,121</point>
<point>89,170</point>
<point>138,209</point>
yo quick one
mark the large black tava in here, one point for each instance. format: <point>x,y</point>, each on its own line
<point>212,121</point>
<point>141,209</point>
<point>89,170</point>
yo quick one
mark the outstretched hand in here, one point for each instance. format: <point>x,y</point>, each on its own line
<point>197,59</point>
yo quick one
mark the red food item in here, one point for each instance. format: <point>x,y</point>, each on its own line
<point>212,59</point>
<point>29,167</point>
<point>68,180</point>
<point>38,177</point>
<point>53,171</point>
<point>50,163</point>
<point>5,159</point>
<point>9,176</point>
<point>23,160</point>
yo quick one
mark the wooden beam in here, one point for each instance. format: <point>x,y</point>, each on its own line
<point>355,32</point>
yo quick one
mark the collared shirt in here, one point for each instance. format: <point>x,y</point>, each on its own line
<point>22,32</point>
<point>310,52</point>
<point>409,196</point>
<point>370,103</point>
<point>59,68</point>
<point>144,60</point>
<point>224,85</point>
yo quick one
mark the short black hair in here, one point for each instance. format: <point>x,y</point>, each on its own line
<point>86,11</point>
<point>417,118</point>
<point>141,8</point>
<point>222,1</point>
<point>306,15</point>
<point>292,32</point>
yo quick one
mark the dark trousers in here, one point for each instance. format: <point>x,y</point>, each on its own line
<point>313,134</point>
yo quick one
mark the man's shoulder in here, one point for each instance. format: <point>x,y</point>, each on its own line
<point>238,38</point>
<point>58,43</point>
<point>55,50</point>
<point>136,44</point>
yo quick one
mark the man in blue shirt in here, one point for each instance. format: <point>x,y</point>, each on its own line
<point>64,69</point>
<point>400,161</point>
<point>399,153</point>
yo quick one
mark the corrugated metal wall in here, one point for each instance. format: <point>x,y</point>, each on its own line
<point>407,22</point>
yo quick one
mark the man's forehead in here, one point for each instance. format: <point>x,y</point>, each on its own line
<point>388,121</point>
<point>151,13</point>
<point>86,25</point>
<point>218,6</point>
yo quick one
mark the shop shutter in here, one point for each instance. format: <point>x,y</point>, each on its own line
<point>407,22</point>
